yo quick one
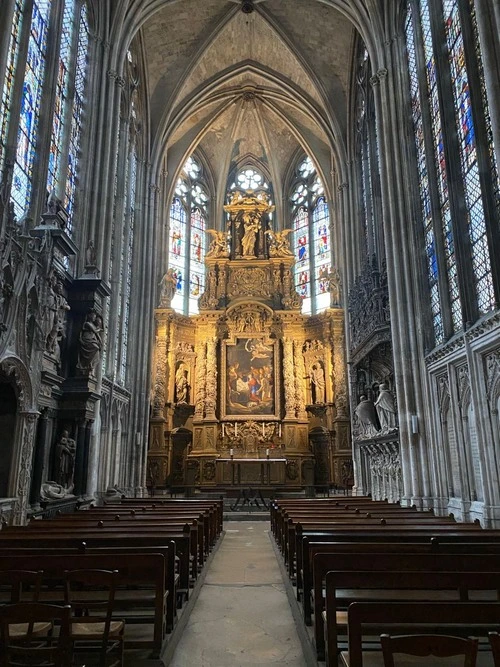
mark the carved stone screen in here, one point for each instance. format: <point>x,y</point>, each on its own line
<point>250,383</point>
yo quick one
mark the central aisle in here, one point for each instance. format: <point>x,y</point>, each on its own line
<point>242,616</point>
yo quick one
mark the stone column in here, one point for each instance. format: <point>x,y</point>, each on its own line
<point>81,459</point>
<point>404,294</point>
<point>26,429</point>
<point>39,456</point>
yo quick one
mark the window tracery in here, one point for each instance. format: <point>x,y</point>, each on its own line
<point>311,238</point>
<point>187,238</point>
<point>438,50</point>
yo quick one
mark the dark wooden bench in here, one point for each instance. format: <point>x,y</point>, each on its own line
<point>345,586</point>
<point>136,570</point>
<point>464,618</point>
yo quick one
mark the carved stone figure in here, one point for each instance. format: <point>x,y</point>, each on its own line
<point>318,383</point>
<point>65,455</point>
<point>335,286</point>
<point>168,286</point>
<point>52,491</point>
<point>91,258</point>
<point>218,245</point>
<point>386,409</point>
<point>57,307</point>
<point>278,243</point>
<point>90,343</point>
<point>367,417</point>
<point>181,384</point>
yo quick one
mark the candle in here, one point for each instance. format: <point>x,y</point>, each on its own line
<point>267,452</point>
<point>279,430</point>
<point>231,452</point>
<point>223,431</point>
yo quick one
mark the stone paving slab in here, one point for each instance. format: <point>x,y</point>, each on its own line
<point>242,615</point>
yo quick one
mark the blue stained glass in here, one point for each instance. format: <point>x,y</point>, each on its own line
<point>12,58</point>
<point>76,116</point>
<point>61,96</point>
<point>440,159</point>
<point>30,107</point>
<point>425,198</point>
<point>468,157</point>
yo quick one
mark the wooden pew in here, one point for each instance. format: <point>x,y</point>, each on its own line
<point>387,563</point>
<point>466,618</point>
<point>394,586</point>
<point>135,570</point>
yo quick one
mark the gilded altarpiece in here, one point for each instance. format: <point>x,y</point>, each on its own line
<point>250,376</point>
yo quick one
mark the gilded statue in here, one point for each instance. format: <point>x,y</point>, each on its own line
<point>278,243</point>
<point>251,225</point>
<point>218,244</point>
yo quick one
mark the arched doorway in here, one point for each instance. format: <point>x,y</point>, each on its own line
<point>8,410</point>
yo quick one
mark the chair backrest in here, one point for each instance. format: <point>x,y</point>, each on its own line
<point>17,581</point>
<point>91,593</point>
<point>440,646</point>
<point>494,638</point>
<point>33,649</point>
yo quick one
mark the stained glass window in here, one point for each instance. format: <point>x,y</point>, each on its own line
<point>425,200</point>
<point>76,115</point>
<point>187,238</point>
<point>468,158</point>
<point>464,108</point>
<point>12,57</point>
<point>311,239</point>
<point>30,107</point>
<point>61,100</point>
<point>444,201</point>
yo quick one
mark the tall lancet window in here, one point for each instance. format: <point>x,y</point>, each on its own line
<point>68,107</point>
<point>311,239</point>
<point>22,180</point>
<point>187,237</point>
<point>8,86</point>
<point>454,145</point>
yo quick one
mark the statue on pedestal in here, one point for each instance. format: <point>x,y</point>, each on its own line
<point>168,285</point>
<point>65,455</point>
<point>90,342</point>
<point>367,417</point>
<point>386,409</point>
<point>318,383</point>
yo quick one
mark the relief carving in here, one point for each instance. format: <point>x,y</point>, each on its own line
<point>249,282</point>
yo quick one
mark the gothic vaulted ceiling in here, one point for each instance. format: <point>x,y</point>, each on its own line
<point>259,85</point>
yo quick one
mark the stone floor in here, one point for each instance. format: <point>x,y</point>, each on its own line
<point>242,616</point>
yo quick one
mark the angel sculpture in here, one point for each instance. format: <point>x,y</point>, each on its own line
<point>278,243</point>
<point>218,244</point>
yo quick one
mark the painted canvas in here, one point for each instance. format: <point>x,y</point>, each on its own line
<point>250,381</point>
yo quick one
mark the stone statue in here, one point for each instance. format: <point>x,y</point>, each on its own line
<point>91,258</point>
<point>57,307</point>
<point>168,285</point>
<point>251,225</point>
<point>90,342</point>
<point>218,244</point>
<point>65,454</point>
<point>386,409</point>
<point>52,491</point>
<point>181,384</point>
<point>335,287</point>
<point>367,417</point>
<point>318,383</point>
<point>278,243</point>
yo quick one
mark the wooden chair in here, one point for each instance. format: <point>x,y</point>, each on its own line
<point>24,586</point>
<point>494,638</point>
<point>441,646</point>
<point>91,594</point>
<point>29,648</point>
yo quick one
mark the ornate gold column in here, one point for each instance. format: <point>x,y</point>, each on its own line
<point>158,448</point>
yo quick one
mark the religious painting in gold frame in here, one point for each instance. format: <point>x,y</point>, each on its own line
<point>249,378</point>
